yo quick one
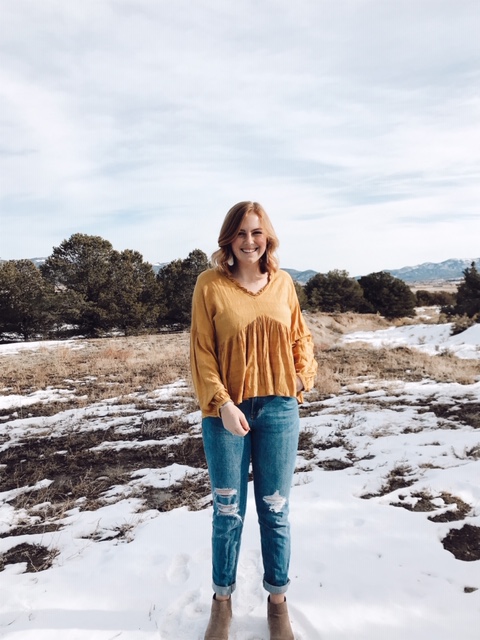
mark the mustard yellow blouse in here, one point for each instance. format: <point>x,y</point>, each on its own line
<point>245,345</point>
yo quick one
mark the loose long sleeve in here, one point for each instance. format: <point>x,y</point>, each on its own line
<point>303,348</point>
<point>245,345</point>
<point>207,381</point>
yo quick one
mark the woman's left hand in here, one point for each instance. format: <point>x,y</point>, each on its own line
<point>299,385</point>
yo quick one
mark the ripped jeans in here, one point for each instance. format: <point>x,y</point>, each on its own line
<point>271,446</point>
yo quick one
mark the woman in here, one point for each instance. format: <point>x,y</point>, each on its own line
<point>251,358</point>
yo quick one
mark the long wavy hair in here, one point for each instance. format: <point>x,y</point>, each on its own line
<point>230,228</point>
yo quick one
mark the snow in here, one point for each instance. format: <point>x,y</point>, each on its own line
<point>361,568</point>
<point>429,338</point>
<point>19,347</point>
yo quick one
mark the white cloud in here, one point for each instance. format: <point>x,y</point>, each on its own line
<point>145,121</point>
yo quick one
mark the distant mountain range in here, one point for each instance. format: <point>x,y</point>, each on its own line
<point>428,272</point>
<point>448,270</point>
<point>158,265</point>
<point>300,276</point>
<point>38,261</point>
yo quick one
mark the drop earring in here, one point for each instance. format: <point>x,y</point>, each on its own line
<point>230,260</point>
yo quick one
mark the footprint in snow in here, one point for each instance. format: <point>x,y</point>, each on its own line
<point>249,584</point>
<point>185,618</point>
<point>178,571</point>
<point>302,627</point>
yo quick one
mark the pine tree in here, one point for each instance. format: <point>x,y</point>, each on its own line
<point>24,300</point>
<point>335,291</point>
<point>388,295</point>
<point>79,269</point>
<point>130,298</point>
<point>468,293</point>
<point>301,295</point>
<point>177,281</point>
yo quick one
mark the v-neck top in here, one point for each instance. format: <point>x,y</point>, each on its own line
<point>240,286</point>
<point>245,345</point>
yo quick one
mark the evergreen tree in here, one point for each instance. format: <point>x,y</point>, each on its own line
<point>424,298</point>
<point>177,280</point>
<point>301,295</point>
<point>130,298</point>
<point>24,300</point>
<point>335,291</point>
<point>81,266</point>
<point>388,295</point>
<point>468,293</point>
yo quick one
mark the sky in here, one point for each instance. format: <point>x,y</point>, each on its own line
<point>355,123</point>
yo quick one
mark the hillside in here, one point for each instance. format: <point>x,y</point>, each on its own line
<point>103,475</point>
<point>448,271</point>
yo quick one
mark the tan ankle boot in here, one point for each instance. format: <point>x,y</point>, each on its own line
<point>279,621</point>
<point>220,618</point>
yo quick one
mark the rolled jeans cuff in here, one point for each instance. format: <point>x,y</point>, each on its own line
<point>223,591</point>
<point>275,590</point>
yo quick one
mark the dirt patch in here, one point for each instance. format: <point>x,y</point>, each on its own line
<point>306,444</point>
<point>424,502</point>
<point>32,529</point>
<point>473,452</point>
<point>86,464</point>
<point>465,413</point>
<point>313,403</point>
<point>42,409</point>
<point>190,492</point>
<point>464,543</point>
<point>36,557</point>
<point>309,447</point>
<point>398,478</point>
<point>334,464</point>
<point>459,513</point>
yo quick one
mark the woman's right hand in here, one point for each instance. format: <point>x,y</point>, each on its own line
<point>234,420</point>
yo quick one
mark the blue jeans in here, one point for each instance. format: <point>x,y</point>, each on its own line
<point>271,446</point>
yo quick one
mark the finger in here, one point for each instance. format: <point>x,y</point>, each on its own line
<point>244,423</point>
<point>237,429</point>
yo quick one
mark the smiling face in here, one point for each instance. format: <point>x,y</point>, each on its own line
<point>250,243</point>
<point>246,238</point>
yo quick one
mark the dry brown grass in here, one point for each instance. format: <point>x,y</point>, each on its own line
<point>115,367</point>
<point>99,369</point>
<point>328,328</point>
<point>347,365</point>
<point>35,556</point>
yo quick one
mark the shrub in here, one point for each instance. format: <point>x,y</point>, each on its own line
<point>388,295</point>
<point>426,298</point>
<point>335,292</point>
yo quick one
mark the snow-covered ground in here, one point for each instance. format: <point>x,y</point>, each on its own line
<point>365,565</point>
<point>430,338</point>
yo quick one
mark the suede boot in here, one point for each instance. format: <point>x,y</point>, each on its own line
<point>220,618</point>
<point>279,621</point>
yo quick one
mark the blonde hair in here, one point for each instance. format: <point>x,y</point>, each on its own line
<point>230,228</point>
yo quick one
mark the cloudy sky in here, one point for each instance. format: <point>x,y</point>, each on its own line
<point>356,123</point>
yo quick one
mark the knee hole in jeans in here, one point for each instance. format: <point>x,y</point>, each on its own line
<point>276,502</point>
<point>226,501</point>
